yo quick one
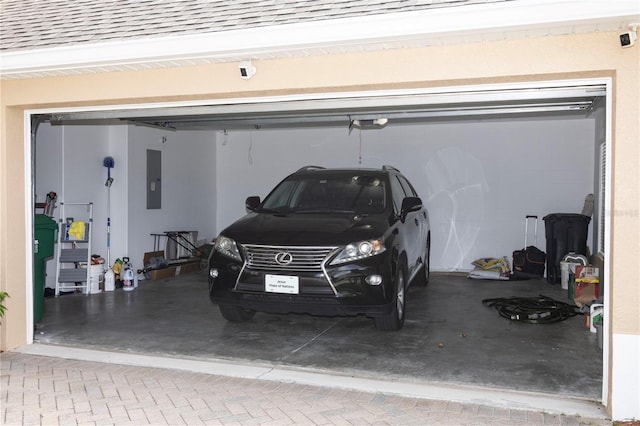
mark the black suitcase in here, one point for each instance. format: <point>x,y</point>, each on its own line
<point>530,261</point>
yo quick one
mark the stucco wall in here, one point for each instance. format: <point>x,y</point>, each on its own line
<point>549,58</point>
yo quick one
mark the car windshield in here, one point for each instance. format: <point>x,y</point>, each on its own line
<point>336,193</point>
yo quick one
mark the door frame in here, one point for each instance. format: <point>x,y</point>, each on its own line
<point>393,96</point>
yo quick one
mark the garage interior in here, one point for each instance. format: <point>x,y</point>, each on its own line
<point>481,159</point>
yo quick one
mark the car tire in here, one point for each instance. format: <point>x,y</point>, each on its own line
<point>422,280</point>
<point>395,320</point>
<point>236,313</point>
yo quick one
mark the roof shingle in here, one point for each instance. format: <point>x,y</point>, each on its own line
<point>32,24</point>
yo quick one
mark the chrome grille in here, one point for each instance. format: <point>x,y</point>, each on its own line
<point>302,258</point>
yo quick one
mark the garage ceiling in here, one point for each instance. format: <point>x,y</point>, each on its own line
<point>344,109</point>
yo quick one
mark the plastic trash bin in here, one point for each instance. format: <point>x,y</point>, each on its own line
<point>45,237</point>
<point>565,233</point>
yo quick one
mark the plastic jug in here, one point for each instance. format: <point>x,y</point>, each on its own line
<point>127,279</point>
<point>109,280</point>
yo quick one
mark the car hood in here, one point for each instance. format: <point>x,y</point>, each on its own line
<point>306,229</point>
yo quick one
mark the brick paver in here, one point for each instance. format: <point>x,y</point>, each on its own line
<point>38,390</point>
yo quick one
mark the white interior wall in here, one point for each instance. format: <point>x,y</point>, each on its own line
<point>188,187</point>
<point>72,158</point>
<point>69,161</point>
<point>478,178</point>
<point>48,176</point>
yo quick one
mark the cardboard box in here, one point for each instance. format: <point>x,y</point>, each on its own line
<point>175,269</point>
<point>148,255</point>
<point>587,285</point>
<point>587,274</point>
<point>158,274</point>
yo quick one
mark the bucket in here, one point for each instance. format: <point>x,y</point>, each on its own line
<point>595,310</point>
<point>575,258</point>
<point>564,275</point>
<point>96,278</point>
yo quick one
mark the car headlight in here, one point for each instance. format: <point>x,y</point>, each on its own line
<point>227,247</point>
<point>359,250</point>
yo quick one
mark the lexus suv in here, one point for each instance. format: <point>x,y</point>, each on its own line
<point>325,242</point>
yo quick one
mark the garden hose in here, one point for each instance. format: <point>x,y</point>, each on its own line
<point>532,310</point>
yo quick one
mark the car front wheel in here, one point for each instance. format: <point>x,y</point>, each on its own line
<point>236,313</point>
<point>395,320</point>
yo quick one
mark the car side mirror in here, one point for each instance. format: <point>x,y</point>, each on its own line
<point>410,204</point>
<point>252,203</point>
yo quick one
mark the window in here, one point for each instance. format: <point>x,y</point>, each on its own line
<point>398,193</point>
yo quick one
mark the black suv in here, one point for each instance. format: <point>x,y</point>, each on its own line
<point>325,242</point>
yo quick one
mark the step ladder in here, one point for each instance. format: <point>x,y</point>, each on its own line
<point>73,269</point>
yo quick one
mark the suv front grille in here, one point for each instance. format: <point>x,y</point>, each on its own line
<point>302,258</point>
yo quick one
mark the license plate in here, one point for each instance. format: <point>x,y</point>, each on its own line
<point>281,284</point>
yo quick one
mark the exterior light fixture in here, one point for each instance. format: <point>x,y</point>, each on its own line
<point>247,70</point>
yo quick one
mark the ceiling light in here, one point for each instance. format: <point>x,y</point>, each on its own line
<point>368,123</point>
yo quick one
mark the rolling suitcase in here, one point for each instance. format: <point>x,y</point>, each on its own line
<point>530,261</point>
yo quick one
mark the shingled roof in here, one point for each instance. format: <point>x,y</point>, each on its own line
<point>33,24</point>
<point>64,37</point>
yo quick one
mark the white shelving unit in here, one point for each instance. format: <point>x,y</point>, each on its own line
<point>74,254</point>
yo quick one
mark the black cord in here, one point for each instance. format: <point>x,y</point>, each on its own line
<point>532,310</point>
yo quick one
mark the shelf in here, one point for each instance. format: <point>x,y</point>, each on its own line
<point>73,275</point>
<point>74,255</point>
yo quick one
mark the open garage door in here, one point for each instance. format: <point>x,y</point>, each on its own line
<point>452,141</point>
<point>407,106</point>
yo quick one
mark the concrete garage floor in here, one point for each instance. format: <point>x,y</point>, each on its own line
<point>449,336</point>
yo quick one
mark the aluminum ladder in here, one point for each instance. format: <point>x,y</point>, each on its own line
<point>73,265</point>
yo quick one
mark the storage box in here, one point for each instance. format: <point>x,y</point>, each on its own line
<point>148,255</point>
<point>172,270</point>
<point>587,274</point>
<point>587,285</point>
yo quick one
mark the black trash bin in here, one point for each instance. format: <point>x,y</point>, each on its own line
<point>565,233</point>
<point>45,236</point>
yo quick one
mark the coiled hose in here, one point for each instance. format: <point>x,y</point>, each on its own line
<point>532,310</point>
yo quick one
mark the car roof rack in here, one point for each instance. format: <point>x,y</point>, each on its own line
<point>387,167</point>
<point>306,168</point>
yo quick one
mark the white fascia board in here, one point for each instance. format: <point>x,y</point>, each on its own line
<point>251,43</point>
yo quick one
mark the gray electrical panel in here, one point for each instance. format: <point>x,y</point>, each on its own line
<point>154,179</point>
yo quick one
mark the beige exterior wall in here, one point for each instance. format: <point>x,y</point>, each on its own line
<point>549,58</point>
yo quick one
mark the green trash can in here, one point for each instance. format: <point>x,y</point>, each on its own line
<point>45,237</point>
